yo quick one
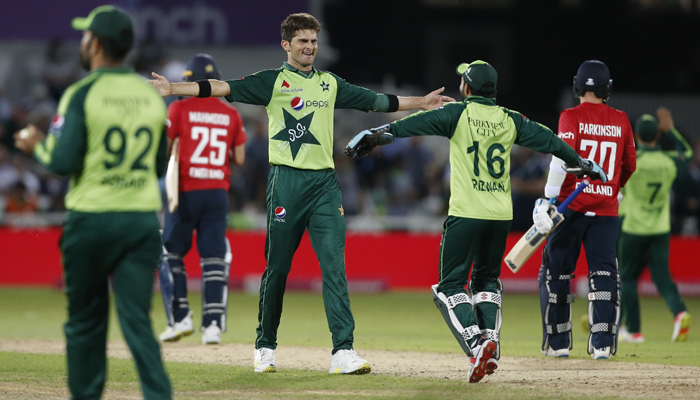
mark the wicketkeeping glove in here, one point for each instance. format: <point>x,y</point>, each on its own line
<point>587,167</point>
<point>540,215</point>
<point>364,142</point>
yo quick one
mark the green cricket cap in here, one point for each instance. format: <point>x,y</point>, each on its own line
<point>479,75</point>
<point>108,22</point>
<point>646,127</point>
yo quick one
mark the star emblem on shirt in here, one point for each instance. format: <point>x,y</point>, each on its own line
<point>342,212</point>
<point>296,132</point>
<point>324,85</point>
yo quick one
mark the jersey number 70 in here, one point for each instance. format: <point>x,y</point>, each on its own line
<point>608,151</point>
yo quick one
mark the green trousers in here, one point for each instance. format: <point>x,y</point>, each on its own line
<point>298,200</point>
<point>481,243</point>
<point>636,253</point>
<point>125,245</point>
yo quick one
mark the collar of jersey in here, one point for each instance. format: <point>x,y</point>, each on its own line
<point>287,66</point>
<point>481,100</point>
<point>112,70</point>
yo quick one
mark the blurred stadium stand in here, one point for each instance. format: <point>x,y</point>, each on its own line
<point>403,47</point>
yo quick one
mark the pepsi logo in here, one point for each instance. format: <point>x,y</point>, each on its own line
<point>280,212</point>
<point>297,103</point>
<point>57,122</point>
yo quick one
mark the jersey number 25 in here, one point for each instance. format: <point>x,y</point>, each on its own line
<point>206,136</point>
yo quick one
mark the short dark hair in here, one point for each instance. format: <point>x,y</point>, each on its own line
<point>298,22</point>
<point>113,49</point>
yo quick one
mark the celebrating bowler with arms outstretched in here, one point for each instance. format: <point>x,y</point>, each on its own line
<point>604,135</point>
<point>302,190</point>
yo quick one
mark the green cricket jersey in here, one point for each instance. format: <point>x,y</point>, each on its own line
<point>300,111</point>
<point>481,137</point>
<point>108,135</point>
<point>646,205</point>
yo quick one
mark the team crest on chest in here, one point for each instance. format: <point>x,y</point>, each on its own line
<point>296,131</point>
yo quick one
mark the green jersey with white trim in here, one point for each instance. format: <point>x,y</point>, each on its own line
<point>300,111</point>
<point>646,205</point>
<point>109,136</point>
<point>481,136</point>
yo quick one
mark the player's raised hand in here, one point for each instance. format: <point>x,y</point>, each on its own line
<point>665,119</point>
<point>435,99</point>
<point>161,84</point>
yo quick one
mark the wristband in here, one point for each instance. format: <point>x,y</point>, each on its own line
<point>393,102</point>
<point>204,88</point>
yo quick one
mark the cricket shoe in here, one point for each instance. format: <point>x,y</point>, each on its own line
<point>631,337</point>
<point>478,364</point>
<point>491,366</point>
<point>561,353</point>
<point>681,327</point>
<point>264,360</point>
<point>622,334</point>
<point>178,330</point>
<point>212,334</point>
<point>602,353</point>
<point>348,362</point>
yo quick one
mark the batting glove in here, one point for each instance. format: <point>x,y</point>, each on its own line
<point>540,215</point>
<point>587,167</point>
<point>364,142</point>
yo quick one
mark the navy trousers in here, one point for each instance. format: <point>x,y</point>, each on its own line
<point>598,235</point>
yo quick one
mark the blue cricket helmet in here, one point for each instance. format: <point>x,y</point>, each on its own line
<point>201,66</point>
<point>593,76</point>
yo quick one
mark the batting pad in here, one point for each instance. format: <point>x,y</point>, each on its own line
<point>446,305</point>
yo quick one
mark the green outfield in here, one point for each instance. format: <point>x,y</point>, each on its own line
<point>396,321</point>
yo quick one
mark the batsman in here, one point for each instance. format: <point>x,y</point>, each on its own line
<point>481,136</point>
<point>602,133</point>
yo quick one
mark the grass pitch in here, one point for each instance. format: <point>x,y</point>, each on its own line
<point>396,321</point>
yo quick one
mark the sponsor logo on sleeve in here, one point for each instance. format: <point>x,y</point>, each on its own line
<point>56,125</point>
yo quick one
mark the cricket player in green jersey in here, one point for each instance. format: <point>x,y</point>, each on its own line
<point>481,135</point>
<point>108,136</point>
<point>302,190</point>
<point>646,226</point>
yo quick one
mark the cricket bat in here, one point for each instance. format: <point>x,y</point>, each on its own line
<point>532,239</point>
<point>172,175</point>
